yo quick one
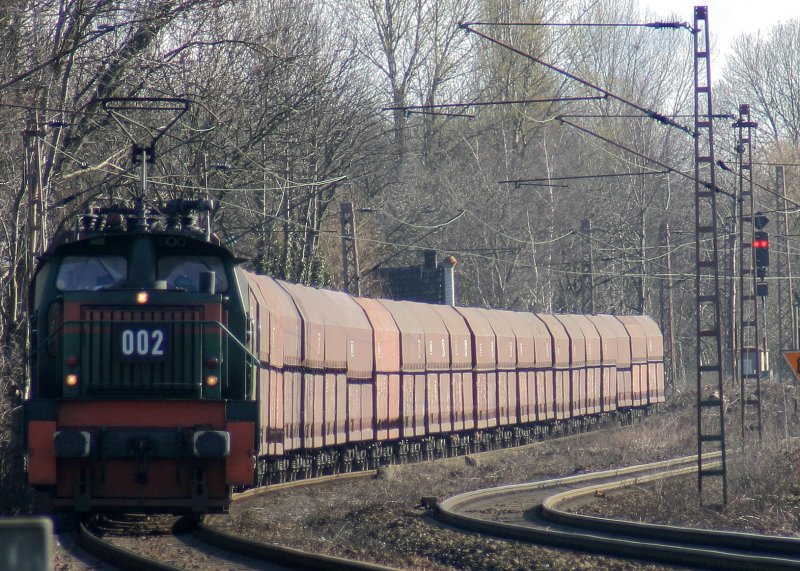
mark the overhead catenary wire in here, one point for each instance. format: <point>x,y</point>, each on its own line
<point>259,189</point>
<point>500,102</point>
<point>643,156</point>
<point>721,164</point>
<point>309,184</point>
<point>422,226</point>
<point>169,185</point>
<point>304,227</point>
<point>657,25</point>
<point>468,26</point>
<point>522,181</point>
<point>639,116</point>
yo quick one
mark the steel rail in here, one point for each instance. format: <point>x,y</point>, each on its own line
<point>707,550</point>
<point>122,558</point>
<point>772,544</point>
<point>126,559</point>
<point>460,500</point>
<point>317,480</point>
<point>280,554</point>
<point>119,557</point>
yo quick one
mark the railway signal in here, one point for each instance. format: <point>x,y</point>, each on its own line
<point>761,250</point>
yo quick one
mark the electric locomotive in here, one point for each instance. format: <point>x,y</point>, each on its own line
<point>140,395</point>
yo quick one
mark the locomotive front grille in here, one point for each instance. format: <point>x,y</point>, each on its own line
<point>142,351</point>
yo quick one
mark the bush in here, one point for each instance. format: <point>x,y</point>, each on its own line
<point>15,496</point>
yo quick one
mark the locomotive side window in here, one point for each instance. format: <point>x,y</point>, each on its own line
<point>87,273</point>
<point>183,272</point>
<point>41,280</point>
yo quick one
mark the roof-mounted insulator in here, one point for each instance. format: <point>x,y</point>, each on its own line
<point>114,222</point>
<point>173,224</point>
<point>189,224</point>
<point>88,222</point>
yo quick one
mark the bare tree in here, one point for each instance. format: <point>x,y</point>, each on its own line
<point>764,71</point>
<point>62,57</point>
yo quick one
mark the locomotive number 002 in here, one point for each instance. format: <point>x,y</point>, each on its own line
<point>142,342</point>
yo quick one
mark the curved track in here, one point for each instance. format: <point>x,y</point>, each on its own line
<point>530,512</point>
<point>215,549</point>
<point>114,555</point>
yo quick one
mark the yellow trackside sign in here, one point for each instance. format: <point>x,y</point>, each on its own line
<point>793,358</point>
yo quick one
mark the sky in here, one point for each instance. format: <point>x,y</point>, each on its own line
<point>728,18</point>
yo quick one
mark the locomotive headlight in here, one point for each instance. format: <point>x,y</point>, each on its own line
<point>71,380</point>
<point>212,380</point>
<point>142,297</point>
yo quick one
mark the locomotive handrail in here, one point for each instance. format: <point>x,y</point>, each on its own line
<point>59,330</point>
<point>250,359</point>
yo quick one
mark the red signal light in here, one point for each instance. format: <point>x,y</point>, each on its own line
<point>761,253</point>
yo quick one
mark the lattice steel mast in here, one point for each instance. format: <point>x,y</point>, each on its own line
<point>749,376</point>
<point>710,395</point>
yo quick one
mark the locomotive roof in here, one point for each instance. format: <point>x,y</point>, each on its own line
<point>171,225</point>
<point>116,241</point>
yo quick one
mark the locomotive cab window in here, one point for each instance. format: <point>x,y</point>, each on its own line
<point>183,272</point>
<point>87,273</point>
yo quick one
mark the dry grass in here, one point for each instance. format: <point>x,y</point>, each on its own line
<point>763,483</point>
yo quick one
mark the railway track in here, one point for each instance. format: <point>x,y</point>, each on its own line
<point>199,545</point>
<point>536,512</point>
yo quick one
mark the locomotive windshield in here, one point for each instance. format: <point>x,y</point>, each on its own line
<point>86,273</point>
<point>184,271</point>
<point>89,273</point>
